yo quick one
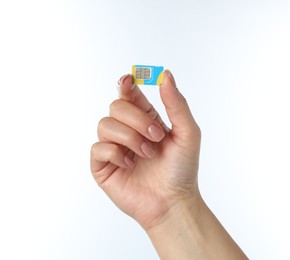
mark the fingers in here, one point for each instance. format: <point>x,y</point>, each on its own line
<point>128,130</point>
<point>111,130</point>
<point>179,114</point>
<point>132,93</point>
<point>130,115</point>
<point>106,158</point>
<point>103,153</point>
<point>134,124</point>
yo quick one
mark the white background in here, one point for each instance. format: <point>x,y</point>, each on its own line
<point>59,65</point>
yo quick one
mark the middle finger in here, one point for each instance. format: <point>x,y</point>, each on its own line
<point>136,118</point>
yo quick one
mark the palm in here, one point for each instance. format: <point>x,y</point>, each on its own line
<point>140,191</point>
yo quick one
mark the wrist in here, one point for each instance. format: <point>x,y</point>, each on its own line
<point>177,234</point>
<point>187,209</point>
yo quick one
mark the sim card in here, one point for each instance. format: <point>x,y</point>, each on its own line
<point>147,75</point>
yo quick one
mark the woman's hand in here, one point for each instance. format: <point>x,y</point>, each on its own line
<point>150,172</point>
<point>142,165</point>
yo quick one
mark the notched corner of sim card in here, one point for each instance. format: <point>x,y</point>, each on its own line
<point>147,75</point>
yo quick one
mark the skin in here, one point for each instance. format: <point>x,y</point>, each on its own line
<point>150,172</point>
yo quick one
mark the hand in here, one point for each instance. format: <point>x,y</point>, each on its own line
<point>143,166</point>
<point>150,172</point>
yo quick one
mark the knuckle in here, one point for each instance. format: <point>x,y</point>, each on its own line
<point>115,105</point>
<point>102,124</point>
<point>140,118</point>
<point>95,149</point>
<point>131,138</point>
<point>115,151</point>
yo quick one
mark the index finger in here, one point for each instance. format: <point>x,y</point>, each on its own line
<point>132,93</point>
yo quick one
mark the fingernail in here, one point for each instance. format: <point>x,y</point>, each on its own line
<point>156,133</point>
<point>148,149</point>
<point>122,80</point>
<point>128,161</point>
<point>171,78</point>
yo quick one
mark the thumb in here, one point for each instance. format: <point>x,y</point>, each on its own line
<point>177,109</point>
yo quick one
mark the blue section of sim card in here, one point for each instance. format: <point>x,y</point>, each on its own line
<point>155,76</point>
